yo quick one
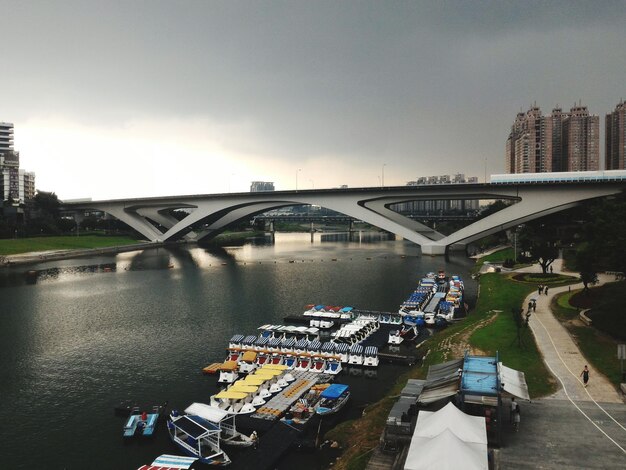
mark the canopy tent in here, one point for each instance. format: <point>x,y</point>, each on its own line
<point>466,427</point>
<point>513,382</point>
<point>445,452</point>
<point>448,439</point>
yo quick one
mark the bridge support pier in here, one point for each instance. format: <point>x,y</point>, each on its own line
<point>434,250</point>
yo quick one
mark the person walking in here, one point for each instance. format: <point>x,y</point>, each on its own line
<point>516,418</point>
<point>545,290</point>
<point>540,289</point>
<point>534,305</point>
<point>513,408</point>
<point>551,270</point>
<point>255,439</point>
<point>585,375</point>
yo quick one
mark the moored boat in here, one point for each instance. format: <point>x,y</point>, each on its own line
<point>198,438</point>
<point>141,423</point>
<point>224,420</point>
<point>333,399</point>
<point>228,372</point>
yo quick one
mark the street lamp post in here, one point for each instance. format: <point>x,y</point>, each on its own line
<point>299,170</point>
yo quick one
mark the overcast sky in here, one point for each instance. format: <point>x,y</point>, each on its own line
<point>118,99</point>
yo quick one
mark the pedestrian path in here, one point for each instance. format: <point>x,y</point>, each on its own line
<point>560,352</point>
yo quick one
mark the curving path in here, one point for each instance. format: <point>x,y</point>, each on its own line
<point>560,352</point>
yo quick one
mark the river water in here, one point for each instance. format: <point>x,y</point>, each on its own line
<point>78,336</point>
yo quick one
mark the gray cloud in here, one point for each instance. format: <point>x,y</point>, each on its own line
<point>429,87</point>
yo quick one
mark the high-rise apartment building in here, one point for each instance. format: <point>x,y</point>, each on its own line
<point>562,141</point>
<point>259,186</point>
<point>6,137</point>
<point>529,145</point>
<point>15,184</point>
<point>581,141</point>
<point>615,138</point>
<point>439,206</point>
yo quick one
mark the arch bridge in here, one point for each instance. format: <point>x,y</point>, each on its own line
<point>152,217</point>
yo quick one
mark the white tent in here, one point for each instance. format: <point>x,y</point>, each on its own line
<point>445,452</point>
<point>448,439</point>
<point>466,427</point>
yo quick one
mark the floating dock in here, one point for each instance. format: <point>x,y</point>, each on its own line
<point>282,401</point>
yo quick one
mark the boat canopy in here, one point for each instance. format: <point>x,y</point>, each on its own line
<point>288,343</point>
<point>328,346</point>
<point>249,356</point>
<point>231,395</point>
<point>228,365</point>
<point>273,343</point>
<point>207,412</point>
<point>341,347</point>
<point>243,387</point>
<point>236,339</point>
<point>302,344</point>
<point>314,345</point>
<point>255,380</point>
<point>334,391</point>
<point>356,349</point>
<point>319,307</point>
<point>193,429</point>
<point>274,367</point>
<point>263,340</point>
<point>167,461</point>
<point>371,351</point>
<point>263,372</point>
<point>346,309</point>
<point>249,339</point>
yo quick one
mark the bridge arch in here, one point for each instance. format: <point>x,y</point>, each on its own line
<point>151,216</point>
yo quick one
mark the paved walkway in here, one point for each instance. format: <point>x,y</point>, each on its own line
<point>561,353</point>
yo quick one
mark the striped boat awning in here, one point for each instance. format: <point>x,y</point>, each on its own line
<point>288,343</point>
<point>314,345</point>
<point>356,349</point>
<point>371,351</point>
<point>274,342</point>
<point>170,461</point>
<point>328,346</point>
<point>341,347</point>
<point>261,341</point>
<point>249,339</point>
<point>236,339</point>
<point>302,344</point>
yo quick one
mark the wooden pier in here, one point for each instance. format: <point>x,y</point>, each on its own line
<point>282,401</point>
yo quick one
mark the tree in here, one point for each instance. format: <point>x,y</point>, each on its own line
<point>586,264</point>
<point>605,233</point>
<point>539,238</point>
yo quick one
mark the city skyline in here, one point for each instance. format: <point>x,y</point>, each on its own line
<point>134,99</point>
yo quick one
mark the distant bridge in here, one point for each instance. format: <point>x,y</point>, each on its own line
<point>214,212</point>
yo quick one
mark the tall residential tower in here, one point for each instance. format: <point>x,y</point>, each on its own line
<point>562,141</point>
<point>615,139</point>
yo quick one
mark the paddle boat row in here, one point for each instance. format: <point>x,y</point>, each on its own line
<point>245,395</point>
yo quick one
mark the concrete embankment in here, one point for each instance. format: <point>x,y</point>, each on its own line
<point>38,257</point>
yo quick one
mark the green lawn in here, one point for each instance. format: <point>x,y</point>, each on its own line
<point>499,292</point>
<point>499,256</point>
<point>16,246</point>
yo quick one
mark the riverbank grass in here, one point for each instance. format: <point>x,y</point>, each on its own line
<point>17,246</point>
